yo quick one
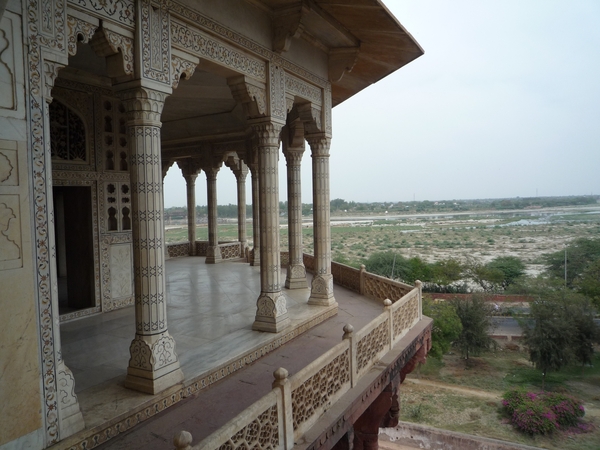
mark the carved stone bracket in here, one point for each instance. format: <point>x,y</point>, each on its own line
<point>251,94</point>
<point>78,31</point>
<point>117,45</point>
<point>51,72</point>
<point>183,65</point>
<point>288,25</point>
<point>341,61</point>
<point>312,116</point>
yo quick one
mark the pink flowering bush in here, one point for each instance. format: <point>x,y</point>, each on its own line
<point>541,413</point>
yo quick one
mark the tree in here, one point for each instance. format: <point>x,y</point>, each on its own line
<point>446,326</point>
<point>548,336</point>
<point>580,254</point>
<point>446,272</point>
<point>488,278</point>
<point>475,316</point>
<point>588,283</point>
<point>585,332</point>
<point>512,268</point>
<point>562,329</point>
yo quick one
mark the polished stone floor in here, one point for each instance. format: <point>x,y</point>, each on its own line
<point>210,314</point>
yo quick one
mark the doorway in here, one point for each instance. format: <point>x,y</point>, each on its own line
<point>74,247</point>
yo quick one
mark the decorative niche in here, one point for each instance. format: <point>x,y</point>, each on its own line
<point>117,202</point>
<point>114,133</point>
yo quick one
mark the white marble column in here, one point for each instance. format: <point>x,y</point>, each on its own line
<point>240,177</point>
<point>190,186</point>
<point>296,272</point>
<point>255,261</point>
<point>271,314</point>
<point>322,283</point>
<point>153,365</point>
<point>213,252</point>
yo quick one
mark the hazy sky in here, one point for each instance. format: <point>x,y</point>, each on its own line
<point>505,102</point>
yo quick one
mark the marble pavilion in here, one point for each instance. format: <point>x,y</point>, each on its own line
<point>98,98</point>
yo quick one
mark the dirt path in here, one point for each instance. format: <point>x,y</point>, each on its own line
<point>452,387</point>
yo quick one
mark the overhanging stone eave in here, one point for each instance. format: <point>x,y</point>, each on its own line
<point>351,84</point>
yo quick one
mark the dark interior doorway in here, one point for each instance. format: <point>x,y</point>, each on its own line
<point>74,247</point>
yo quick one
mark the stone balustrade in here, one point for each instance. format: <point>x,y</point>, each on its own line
<point>363,282</point>
<point>296,404</point>
<point>229,249</point>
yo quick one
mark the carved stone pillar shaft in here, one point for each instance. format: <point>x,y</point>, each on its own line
<point>190,184</point>
<point>240,178</point>
<point>296,272</point>
<point>271,314</point>
<point>322,283</point>
<point>213,253</point>
<point>153,365</point>
<point>255,216</point>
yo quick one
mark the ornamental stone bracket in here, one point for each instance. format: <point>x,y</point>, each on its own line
<point>183,66</point>
<point>341,61</point>
<point>252,94</point>
<point>287,25</point>
<point>116,44</point>
<point>80,30</point>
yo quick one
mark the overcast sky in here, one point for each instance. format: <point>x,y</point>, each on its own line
<point>505,102</point>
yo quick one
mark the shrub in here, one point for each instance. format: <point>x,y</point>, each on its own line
<point>568,409</point>
<point>534,418</point>
<point>542,413</point>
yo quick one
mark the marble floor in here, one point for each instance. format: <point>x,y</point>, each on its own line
<point>210,311</point>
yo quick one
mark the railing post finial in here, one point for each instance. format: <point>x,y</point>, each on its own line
<point>348,331</point>
<point>183,441</point>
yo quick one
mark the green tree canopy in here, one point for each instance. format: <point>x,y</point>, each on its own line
<point>512,268</point>
<point>446,325</point>
<point>475,316</point>
<point>580,254</point>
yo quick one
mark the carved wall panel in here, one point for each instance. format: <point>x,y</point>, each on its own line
<point>113,134</point>
<point>121,11</point>
<point>155,57</point>
<point>10,232</point>
<point>121,263</point>
<point>204,46</point>
<point>12,89</point>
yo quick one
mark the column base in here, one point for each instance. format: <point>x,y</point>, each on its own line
<point>255,258</point>
<point>153,385</point>
<point>271,313</point>
<point>153,365</point>
<point>296,277</point>
<point>213,255</point>
<point>321,293</point>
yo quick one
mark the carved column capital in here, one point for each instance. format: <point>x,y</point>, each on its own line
<point>293,156</point>
<point>189,167</point>
<point>268,133</point>
<point>143,105</point>
<point>319,145</point>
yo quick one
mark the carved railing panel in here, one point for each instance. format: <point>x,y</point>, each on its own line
<point>380,288</point>
<point>346,276</point>
<point>318,386</point>
<point>179,249</point>
<point>405,313</point>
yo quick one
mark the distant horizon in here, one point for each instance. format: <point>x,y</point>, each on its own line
<point>597,196</point>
